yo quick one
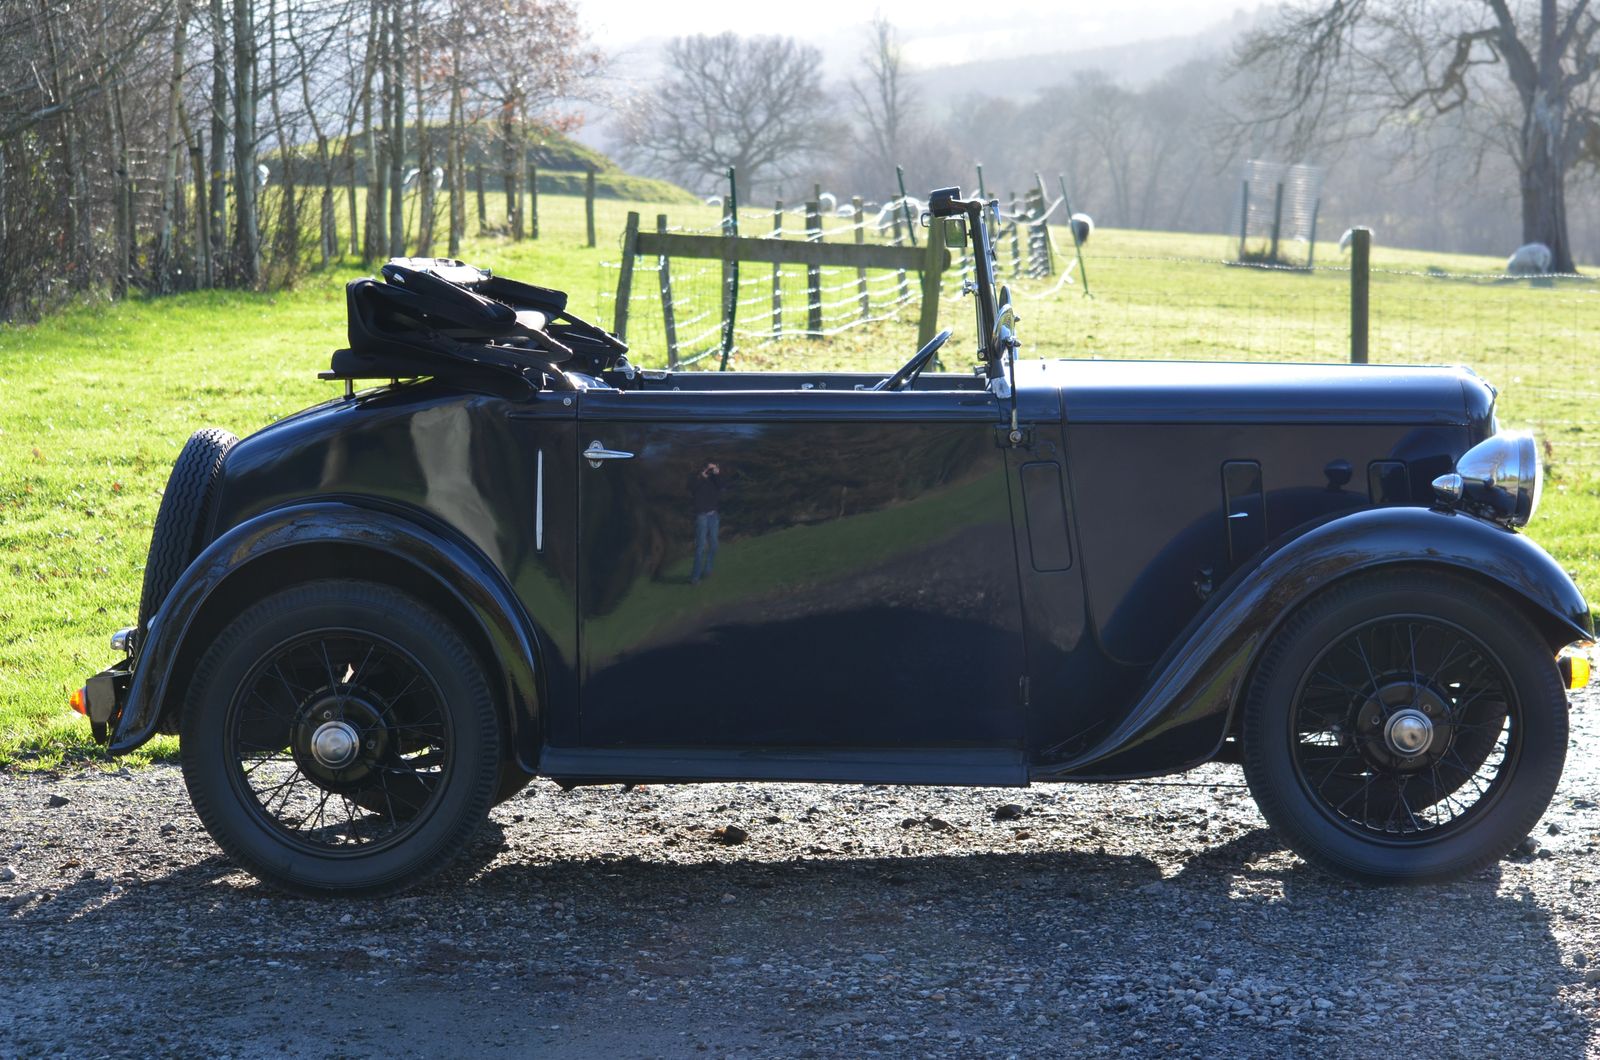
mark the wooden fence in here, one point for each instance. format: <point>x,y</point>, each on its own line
<point>929,261</point>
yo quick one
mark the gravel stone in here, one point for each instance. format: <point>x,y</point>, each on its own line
<point>731,834</point>
<point>866,920</point>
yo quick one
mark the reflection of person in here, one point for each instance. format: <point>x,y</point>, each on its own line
<point>705,490</point>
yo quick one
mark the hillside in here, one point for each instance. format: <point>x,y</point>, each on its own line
<point>562,165</point>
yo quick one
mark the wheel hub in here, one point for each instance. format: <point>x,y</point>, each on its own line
<point>335,744</point>
<point>1404,727</point>
<point>1408,732</point>
<point>340,739</point>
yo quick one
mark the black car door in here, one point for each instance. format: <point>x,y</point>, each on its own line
<point>796,569</point>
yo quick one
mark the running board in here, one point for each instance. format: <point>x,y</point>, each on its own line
<point>945,766</point>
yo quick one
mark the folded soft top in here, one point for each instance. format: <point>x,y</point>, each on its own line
<point>440,317</point>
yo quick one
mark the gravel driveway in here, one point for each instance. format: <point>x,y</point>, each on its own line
<point>1135,919</point>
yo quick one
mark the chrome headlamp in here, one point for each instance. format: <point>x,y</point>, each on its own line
<point>1500,478</point>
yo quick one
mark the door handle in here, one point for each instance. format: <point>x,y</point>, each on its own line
<point>597,454</point>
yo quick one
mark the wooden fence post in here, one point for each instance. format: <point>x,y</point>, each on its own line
<point>905,288</point>
<point>533,196</point>
<point>669,316</point>
<point>861,274</point>
<point>905,207</point>
<point>630,241</point>
<point>483,209</point>
<point>814,272</point>
<point>1360,281</point>
<point>1311,244</point>
<point>588,202</point>
<point>731,261</point>
<point>1044,225</point>
<point>1031,204</point>
<point>1016,241</point>
<point>1277,222</point>
<point>1244,215</point>
<point>932,270</point>
<point>777,273</point>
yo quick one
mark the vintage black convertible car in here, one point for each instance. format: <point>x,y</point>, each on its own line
<point>521,556</point>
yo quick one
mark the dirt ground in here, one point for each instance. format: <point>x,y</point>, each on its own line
<point>1135,919</point>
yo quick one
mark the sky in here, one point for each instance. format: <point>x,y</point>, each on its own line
<point>936,32</point>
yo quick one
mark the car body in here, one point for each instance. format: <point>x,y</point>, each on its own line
<point>1046,570</point>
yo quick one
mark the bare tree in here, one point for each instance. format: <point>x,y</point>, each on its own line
<point>1418,60</point>
<point>246,223</point>
<point>880,100</point>
<point>164,264</point>
<point>524,93</point>
<point>754,103</point>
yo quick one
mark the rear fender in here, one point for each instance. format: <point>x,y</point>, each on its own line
<point>1181,718</point>
<point>335,540</point>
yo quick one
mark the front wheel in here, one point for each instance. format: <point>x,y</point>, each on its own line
<point>339,739</point>
<point>1405,728</point>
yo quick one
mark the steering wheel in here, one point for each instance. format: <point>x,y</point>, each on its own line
<point>911,369</point>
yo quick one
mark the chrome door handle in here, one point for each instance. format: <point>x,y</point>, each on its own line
<point>596,454</point>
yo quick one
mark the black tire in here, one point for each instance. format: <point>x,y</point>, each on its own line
<point>175,538</point>
<point>399,694</point>
<point>1358,790</point>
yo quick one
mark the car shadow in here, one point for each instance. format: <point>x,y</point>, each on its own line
<point>1010,937</point>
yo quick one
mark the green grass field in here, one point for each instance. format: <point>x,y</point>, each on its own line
<point>96,401</point>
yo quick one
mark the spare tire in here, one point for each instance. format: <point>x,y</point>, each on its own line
<point>175,539</point>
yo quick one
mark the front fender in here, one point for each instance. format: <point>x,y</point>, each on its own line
<point>429,556</point>
<point>1182,716</point>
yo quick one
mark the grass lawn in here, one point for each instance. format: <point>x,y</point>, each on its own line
<point>96,401</point>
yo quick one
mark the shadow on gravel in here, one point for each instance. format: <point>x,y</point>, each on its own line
<point>1227,956</point>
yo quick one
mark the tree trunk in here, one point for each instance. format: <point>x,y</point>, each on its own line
<point>377,236</point>
<point>397,131</point>
<point>425,190</point>
<point>287,245</point>
<point>327,214</point>
<point>218,223</point>
<point>350,190</point>
<point>246,229</point>
<point>122,199</point>
<point>202,206</point>
<point>1543,168</point>
<point>458,183</point>
<point>512,167</point>
<point>169,181</point>
<point>1544,196</point>
<point>75,235</point>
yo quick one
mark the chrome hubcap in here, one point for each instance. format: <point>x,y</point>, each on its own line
<point>334,744</point>
<point>1408,732</point>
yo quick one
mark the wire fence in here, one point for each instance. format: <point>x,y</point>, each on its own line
<point>1536,339</point>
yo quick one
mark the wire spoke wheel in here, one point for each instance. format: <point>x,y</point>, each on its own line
<point>1404,728</point>
<point>339,740</point>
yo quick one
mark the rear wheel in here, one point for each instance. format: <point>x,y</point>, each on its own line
<point>340,739</point>
<point>1405,727</point>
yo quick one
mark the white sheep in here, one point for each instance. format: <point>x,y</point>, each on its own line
<point>1082,227</point>
<point>1530,259</point>
<point>845,210</point>
<point>828,201</point>
<point>262,173</point>
<point>713,200</point>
